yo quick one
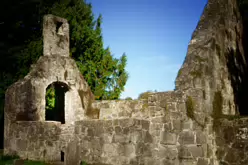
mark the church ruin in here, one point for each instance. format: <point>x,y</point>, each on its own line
<point>196,124</point>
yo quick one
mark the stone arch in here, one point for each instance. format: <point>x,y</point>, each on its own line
<point>56,93</point>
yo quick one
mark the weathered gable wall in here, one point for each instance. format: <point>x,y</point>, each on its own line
<point>216,46</point>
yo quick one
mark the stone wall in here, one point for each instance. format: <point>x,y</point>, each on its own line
<point>156,105</point>
<point>215,56</point>
<point>114,142</point>
<point>167,136</point>
<point>113,109</point>
<point>34,140</point>
<point>232,141</point>
<point>140,142</point>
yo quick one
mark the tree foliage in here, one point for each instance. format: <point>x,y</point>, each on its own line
<point>146,94</point>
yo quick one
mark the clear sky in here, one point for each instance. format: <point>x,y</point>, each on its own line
<point>154,34</point>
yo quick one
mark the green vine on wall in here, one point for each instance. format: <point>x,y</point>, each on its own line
<point>190,108</point>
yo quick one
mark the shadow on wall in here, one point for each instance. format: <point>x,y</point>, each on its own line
<point>238,74</point>
<point>238,69</point>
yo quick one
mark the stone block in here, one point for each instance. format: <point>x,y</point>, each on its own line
<point>187,125</point>
<point>145,124</point>
<point>201,137</point>
<point>168,126</point>
<point>188,162</point>
<point>110,149</point>
<point>202,161</point>
<point>184,153</point>
<point>161,119</point>
<point>135,136</point>
<point>196,151</point>
<point>107,138</point>
<point>168,152</point>
<point>176,125</point>
<point>126,131</point>
<point>147,137</point>
<point>120,138</point>
<point>186,137</point>
<point>126,122</point>
<point>150,161</point>
<point>90,132</point>
<point>169,162</point>
<point>129,150</point>
<point>142,149</point>
<point>168,138</point>
<point>118,130</point>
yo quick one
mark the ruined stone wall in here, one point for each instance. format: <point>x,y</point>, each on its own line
<point>34,140</point>
<point>157,105</point>
<point>42,141</point>
<point>215,47</point>
<point>134,141</point>
<point>232,141</point>
<point>114,109</point>
<point>167,137</point>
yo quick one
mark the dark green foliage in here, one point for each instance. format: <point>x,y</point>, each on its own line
<point>8,157</point>
<point>50,98</point>
<point>217,104</point>
<point>145,95</point>
<point>83,163</point>
<point>190,108</point>
<point>128,98</point>
<point>217,109</point>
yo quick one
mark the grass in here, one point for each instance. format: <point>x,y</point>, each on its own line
<point>9,160</point>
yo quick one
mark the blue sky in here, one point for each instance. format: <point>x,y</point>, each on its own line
<point>154,34</point>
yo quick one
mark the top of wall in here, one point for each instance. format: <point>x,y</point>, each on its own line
<point>55,36</point>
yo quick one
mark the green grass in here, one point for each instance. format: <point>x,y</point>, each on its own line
<point>27,162</point>
<point>9,160</point>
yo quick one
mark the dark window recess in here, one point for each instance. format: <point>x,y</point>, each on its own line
<point>55,102</point>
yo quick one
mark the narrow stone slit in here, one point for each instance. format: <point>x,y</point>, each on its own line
<point>62,156</point>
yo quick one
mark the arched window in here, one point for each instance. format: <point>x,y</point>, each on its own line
<point>55,102</point>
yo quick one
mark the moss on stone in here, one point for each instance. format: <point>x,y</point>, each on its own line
<point>200,59</point>
<point>217,109</point>
<point>179,73</point>
<point>196,73</point>
<point>144,106</point>
<point>231,117</point>
<point>190,108</point>
<point>217,104</point>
